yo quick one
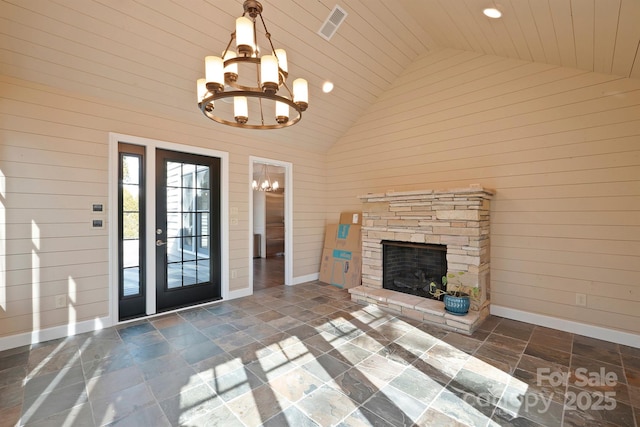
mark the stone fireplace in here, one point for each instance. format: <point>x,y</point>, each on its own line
<point>455,219</point>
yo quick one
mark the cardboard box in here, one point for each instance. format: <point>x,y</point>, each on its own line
<point>351,218</point>
<point>343,236</point>
<point>341,268</point>
<point>341,263</point>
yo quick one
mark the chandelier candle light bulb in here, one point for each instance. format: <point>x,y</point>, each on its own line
<point>254,81</point>
<point>230,68</point>
<point>301,93</point>
<point>201,87</point>
<point>282,112</point>
<point>269,73</point>
<point>240,109</point>
<point>214,73</point>
<point>244,36</point>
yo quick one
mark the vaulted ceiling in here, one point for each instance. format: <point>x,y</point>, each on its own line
<point>593,35</point>
<point>149,53</point>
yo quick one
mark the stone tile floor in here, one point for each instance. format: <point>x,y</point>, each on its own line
<point>307,356</point>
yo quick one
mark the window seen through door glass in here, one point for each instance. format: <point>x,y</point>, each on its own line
<point>188,230</point>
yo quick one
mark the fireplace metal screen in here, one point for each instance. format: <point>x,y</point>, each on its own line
<point>410,267</point>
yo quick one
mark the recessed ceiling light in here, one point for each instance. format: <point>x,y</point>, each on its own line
<point>492,12</point>
<point>327,87</point>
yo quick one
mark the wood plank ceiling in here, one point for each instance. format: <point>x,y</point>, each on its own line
<point>148,53</point>
<point>593,35</point>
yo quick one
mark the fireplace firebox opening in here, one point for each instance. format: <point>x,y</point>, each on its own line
<point>410,267</point>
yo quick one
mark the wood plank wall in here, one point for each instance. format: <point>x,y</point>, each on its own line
<point>560,146</point>
<point>54,165</point>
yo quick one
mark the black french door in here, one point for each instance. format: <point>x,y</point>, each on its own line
<point>187,229</point>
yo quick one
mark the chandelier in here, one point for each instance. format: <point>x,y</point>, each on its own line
<point>265,182</point>
<point>243,81</point>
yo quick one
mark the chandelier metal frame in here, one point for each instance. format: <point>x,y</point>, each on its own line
<point>246,54</point>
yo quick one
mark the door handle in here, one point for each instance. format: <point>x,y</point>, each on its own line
<point>160,243</point>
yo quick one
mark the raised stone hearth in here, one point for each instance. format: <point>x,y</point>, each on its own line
<point>418,308</point>
<point>457,218</point>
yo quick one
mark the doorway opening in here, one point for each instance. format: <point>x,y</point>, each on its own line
<point>168,226</point>
<point>270,223</point>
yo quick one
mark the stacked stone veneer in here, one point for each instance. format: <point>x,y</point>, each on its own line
<point>457,218</point>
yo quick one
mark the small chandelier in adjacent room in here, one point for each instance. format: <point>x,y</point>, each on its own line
<point>265,183</point>
<point>250,88</point>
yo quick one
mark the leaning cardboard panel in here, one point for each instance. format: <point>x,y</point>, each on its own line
<point>341,268</point>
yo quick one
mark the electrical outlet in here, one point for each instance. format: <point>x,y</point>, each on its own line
<point>61,301</point>
<point>234,274</point>
<point>581,300</point>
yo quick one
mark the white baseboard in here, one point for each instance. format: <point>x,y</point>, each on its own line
<point>605,334</point>
<point>56,332</point>
<point>240,293</point>
<point>304,279</point>
<point>63,331</point>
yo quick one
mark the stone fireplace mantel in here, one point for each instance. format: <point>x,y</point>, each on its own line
<point>457,218</point>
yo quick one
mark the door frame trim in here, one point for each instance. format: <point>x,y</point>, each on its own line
<point>150,158</point>
<point>288,217</point>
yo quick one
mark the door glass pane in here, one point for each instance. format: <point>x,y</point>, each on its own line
<point>203,234</point>
<point>203,271</point>
<point>203,200</point>
<point>174,224</point>
<point>174,174</point>
<point>130,169</point>
<point>131,278</point>
<point>189,273</point>
<point>130,253</point>
<point>130,193</point>
<point>130,225</point>
<point>132,197</point>
<point>188,255</point>
<point>188,175</point>
<point>174,251</point>
<point>203,177</point>
<point>187,232</point>
<point>173,199</point>
<point>174,275</point>
<point>187,199</point>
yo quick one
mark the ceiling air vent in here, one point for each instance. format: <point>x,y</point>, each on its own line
<point>333,21</point>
